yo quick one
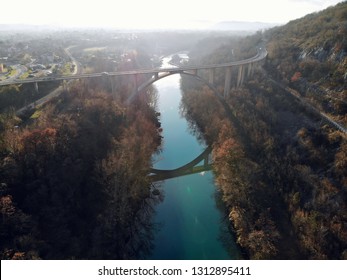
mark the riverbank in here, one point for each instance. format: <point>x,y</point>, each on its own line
<point>190,223</point>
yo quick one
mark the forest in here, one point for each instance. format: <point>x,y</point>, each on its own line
<point>74,179</point>
<point>280,168</point>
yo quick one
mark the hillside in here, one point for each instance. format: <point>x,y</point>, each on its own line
<point>241,26</point>
<point>310,54</point>
<point>281,169</point>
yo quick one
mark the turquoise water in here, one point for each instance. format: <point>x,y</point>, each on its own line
<point>190,224</point>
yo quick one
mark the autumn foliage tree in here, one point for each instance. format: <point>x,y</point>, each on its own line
<point>77,180</point>
<point>280,169</point>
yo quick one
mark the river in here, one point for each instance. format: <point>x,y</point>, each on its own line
<point>190,226</point>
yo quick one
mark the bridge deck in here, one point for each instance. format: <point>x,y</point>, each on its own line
<point>262,53</point>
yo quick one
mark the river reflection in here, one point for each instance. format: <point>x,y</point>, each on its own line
<point>191,226</point>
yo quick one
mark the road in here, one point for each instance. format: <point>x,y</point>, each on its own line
<point>311,107</point>
<point>77,68</point>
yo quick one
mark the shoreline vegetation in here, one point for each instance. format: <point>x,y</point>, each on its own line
<point>283,186</point>
<point>280,168</point>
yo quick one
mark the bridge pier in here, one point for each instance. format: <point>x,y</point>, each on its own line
<point>112,85</point>
<point>250,70</point>
<point>64,83</point>
<point>36,86</point>
<point>135,90</point>
<point>211,76</point>
<point>227,83</point>
<point>240,76</point>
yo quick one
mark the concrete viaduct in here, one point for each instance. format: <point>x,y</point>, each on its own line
<point>245,69</point>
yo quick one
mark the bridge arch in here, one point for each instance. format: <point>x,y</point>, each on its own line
<point>191,167</point>
<point>156,77</point>
<point>241,65</point>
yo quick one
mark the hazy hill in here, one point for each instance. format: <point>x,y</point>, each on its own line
<point>241,26</point>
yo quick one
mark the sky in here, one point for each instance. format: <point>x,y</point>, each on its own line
<point>154,13</point>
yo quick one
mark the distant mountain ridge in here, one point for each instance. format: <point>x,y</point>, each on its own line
<point>193,25</point>
<point>242,25</point>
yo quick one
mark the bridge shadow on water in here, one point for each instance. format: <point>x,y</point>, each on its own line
<point>187,169</point>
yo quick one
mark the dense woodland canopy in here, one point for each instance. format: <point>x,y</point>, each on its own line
<point>280,168</point>
<point>74,179</point>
